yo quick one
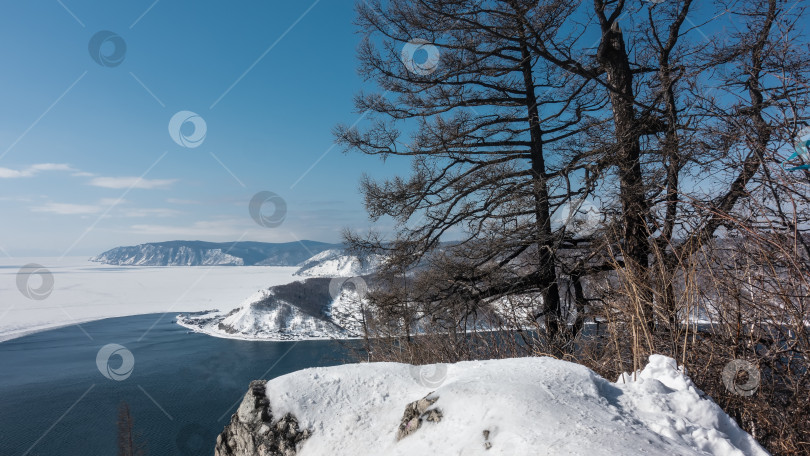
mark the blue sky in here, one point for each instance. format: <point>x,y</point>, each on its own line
<point>75,135</point>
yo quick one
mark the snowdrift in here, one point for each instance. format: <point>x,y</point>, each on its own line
<point>526,406</point>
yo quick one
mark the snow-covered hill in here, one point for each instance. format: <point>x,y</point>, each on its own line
<point>151,255</point>
<point>295,311</point>
<point>325,308</point>
<point>325,305</point>
<point>509,407</point>
<point>199,253</point>
<point>337,263</point>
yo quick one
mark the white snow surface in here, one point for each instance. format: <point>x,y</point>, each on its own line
<point>530,406</point>
<point>346,310</point>
<point>335,263</point>
<point>85,291</point>
<point>254,320</point>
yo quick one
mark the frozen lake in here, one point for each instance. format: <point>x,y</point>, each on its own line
<point>84,291</point>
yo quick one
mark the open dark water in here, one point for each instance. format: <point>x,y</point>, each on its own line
<point>182,390</point>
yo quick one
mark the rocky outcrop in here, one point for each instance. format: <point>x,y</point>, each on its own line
<point>416,412</point>
<point>488,408</point>
<point>253,431</point>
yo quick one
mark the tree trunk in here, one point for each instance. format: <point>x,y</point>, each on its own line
<point>613,57</point>
<point>544,241</point>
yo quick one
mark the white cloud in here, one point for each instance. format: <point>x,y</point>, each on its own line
<point>51,167</point>
<point>8,173</point>
<point>181,201</point>
<point>68,209</point>
<point>115,207</point>
<point>157,212</point>
<point>131,182</point>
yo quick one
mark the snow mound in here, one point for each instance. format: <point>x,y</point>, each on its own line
<point>670,404</point>
<point>507,407</point>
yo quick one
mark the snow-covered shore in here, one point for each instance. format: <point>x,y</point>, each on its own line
<point>500,407</point>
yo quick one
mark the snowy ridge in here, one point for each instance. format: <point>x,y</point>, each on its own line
<point>149,255</point>
<point>265,316</point>
<point>336,263</point>
<point>278,320</point>
<point>308,309</point>
<point>506,407</point>
<point>283,321</point>
<point>271,315</point>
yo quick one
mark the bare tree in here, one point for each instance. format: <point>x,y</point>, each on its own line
<point>675,123</point>
<point>484,120</point>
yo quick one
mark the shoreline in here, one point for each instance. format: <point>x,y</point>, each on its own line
<point>238,336</point>
<point>83,291</point>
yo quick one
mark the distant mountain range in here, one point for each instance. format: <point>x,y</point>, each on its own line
<point>200,253</point>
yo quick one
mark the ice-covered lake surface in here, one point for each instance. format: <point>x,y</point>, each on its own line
<point>84,291</point>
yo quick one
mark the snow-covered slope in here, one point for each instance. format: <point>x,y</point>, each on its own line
<point>325,308</point>
<point>200,253</point>
<point>346,311</point>
<point>511,407</point>
<point>336,263</point>
<point>293,311</point>
<point>322,306</point>
<point>151,255</point>
<point>276,320</point>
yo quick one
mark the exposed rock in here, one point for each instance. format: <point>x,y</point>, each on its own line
<point>416,412</point>
<point>253,432</point>
<point>487,443</point>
